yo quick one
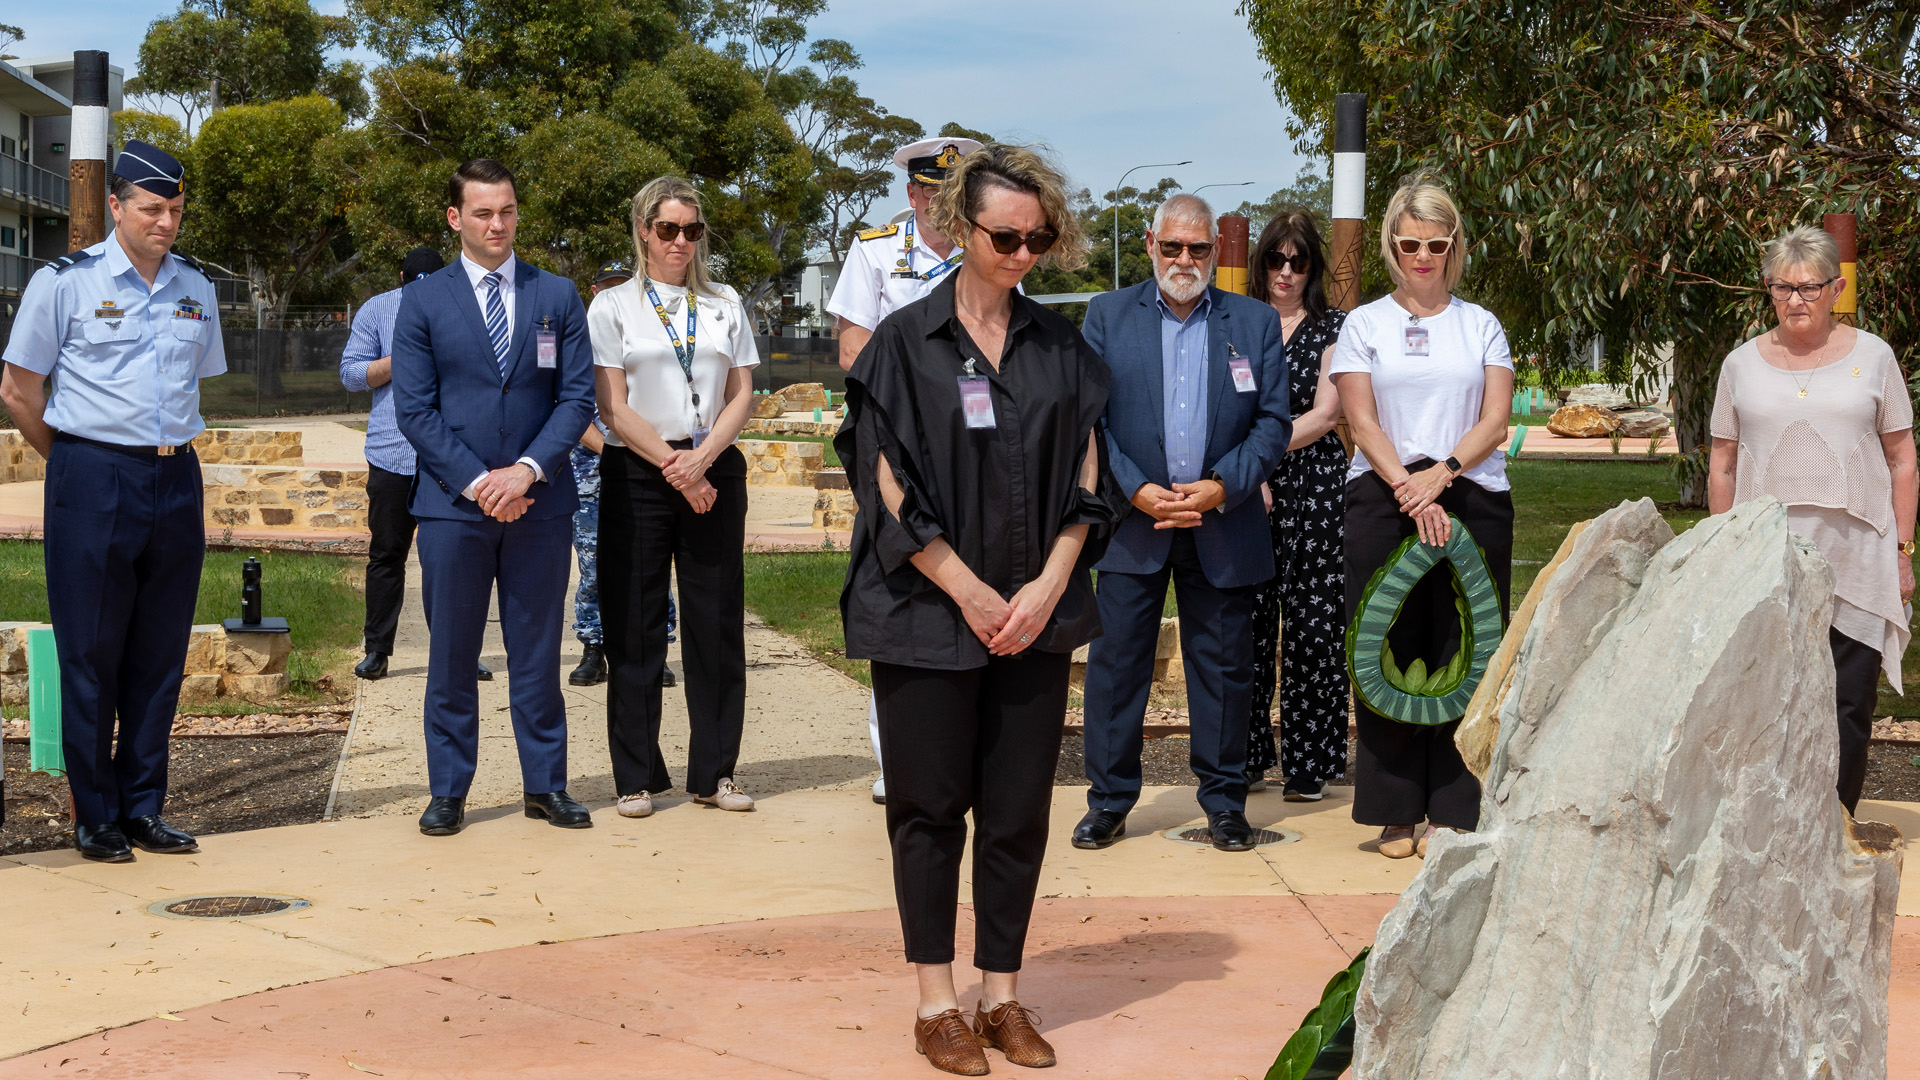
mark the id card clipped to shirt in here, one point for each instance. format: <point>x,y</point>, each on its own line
<point>1242,370</point>
<point>1415,340</point>
<point>976,399</point>
<point>546,347</point>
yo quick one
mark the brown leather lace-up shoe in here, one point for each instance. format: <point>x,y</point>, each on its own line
<point>949,1044</point>
<point>1010,1029</point>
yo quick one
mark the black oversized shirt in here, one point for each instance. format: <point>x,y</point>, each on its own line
<point>999,496</point>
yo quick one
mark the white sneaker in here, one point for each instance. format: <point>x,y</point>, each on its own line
<point>727,797</point>
<point>640,805</point>
<point>880,791</point>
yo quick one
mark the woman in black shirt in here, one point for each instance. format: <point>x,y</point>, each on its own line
<point>984,500</point>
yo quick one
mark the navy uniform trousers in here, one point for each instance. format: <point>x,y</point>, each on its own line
<point>461,564</point>
<point>124,543</point>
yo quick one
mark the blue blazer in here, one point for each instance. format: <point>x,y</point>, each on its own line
<point>462,417</point>
<point>1247,433</point>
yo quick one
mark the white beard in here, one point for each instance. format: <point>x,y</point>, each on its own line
<point>1180,284</point>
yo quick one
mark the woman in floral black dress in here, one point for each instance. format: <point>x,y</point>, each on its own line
<point>1306,507</point>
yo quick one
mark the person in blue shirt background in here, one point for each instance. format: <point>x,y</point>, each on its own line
<point>126,329</point>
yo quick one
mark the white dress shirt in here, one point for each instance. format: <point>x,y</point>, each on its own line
<point>477,274</point>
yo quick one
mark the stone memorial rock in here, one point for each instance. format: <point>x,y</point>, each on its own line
<point>803,396</point>
<point>1643,423</point>
<point>1582,422</point>
<point>767,406</point>
<point>1668,891</point>
<point>1599,394</point>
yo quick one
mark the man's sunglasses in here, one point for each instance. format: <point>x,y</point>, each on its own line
<point>669,231</point>
<point>1171,249</point>
<point>1411,245</point>
<point>1275,259</point>
<point>1008,241</point>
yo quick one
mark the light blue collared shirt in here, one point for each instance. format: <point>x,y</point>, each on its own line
<point>1183,385</point>
<point>126,361</point>
<point>372,339</point>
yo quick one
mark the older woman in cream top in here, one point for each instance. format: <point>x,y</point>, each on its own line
<point>1816,414</point>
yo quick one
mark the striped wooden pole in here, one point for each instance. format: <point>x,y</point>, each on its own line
<point>87,152</point>
<point>1349,213</point>
<point>1230,272</point>
<point>1844,230</point>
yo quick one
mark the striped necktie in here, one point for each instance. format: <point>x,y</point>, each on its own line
<point>497,327</point>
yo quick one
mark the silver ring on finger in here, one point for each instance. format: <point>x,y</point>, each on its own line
<point>1024,638</point>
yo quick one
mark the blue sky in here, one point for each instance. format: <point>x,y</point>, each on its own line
<point>1108,84</point>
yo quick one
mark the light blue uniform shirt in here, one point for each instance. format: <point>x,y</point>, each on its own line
<point>1183,385</point>
<point>126,362</point>
<point>372,339</point>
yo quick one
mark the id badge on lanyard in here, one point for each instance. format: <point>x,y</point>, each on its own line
<point>1414,340</point>
<point>546,345</point>
<point>976,400</point>
<point>1242,371</point>
<point>696,429</point>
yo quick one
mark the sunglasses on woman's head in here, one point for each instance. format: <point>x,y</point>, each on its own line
<point>669,231</point>
<point>1170,249</point>
<point>1008,241</point>
<point>1301,263</point>
<point>1436,246</point>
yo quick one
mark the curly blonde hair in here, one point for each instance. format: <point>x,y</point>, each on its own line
<point>646,207</point>
<point>1423,199</point>
<point>1015,168</point>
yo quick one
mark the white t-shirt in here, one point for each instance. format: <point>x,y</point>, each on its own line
<point>1426,404</point>
<point>627,333</point>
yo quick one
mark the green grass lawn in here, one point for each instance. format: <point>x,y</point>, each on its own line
<point>319,595</point>
<point>798,594</point>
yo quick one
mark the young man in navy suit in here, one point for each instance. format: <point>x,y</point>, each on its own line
<point>1196,421</point>
<point>493,385</point>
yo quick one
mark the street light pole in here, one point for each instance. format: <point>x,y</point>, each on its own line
<point>1204,187</point>
<point>1116,209</point>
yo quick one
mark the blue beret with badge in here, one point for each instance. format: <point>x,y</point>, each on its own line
<point>145,165</point>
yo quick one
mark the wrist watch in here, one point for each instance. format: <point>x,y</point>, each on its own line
<point>1453,465</point>
<point>1906,547</point>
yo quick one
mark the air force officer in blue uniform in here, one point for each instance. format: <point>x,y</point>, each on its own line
<point>127,329</point>
<point>1196,421</point>
<point>493,385</point>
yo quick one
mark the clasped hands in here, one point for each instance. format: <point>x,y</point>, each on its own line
<point>1416,493</point>
<point>1183,506</point>
<point>686,470</point>
<point>502,493</point>
<point>1008,627</point>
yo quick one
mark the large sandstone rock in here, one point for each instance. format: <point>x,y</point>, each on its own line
<point>257,654</point>
<point>800,397</point>
<point>767,406</point>
<point>1643,423</point>
<point>1582,422</point>
<point>1668,891</point>
<point>1600,394</point>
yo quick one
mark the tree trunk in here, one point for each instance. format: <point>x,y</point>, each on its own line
<point>1696,365</point>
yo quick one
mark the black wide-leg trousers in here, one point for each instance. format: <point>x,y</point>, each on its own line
<point>647,530</point>
<point>390,528</point>
<point>1409,773</point>
<point>1856,685</point>
<point>986,740</point>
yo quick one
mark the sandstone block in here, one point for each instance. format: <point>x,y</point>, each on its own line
<point>200,688</point>
<point>306,497</point>
<point>276,478</point>
<point>259,689</point>
<point>1598,394</point>
<point>1643,423</point>
<point>226,476</point>
<point>344,501</point>
<point>13,689</point>
<point>767,406</point>
<point>1667,890</point>
<point>800,397</point>
<point>347,520</point>
<point>230,515</point>
<point>1582,422</point>
<point>13,646</point>
<point>276,515</point>
<point>257,654</point>
<point>206,649</point>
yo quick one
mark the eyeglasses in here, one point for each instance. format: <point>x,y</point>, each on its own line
<point>669,231</point>
<point>1436,246</point>
<point>1275,259</point>
<point>1008,241</point>
<point>1170,249</point>
<point>1783,292</point>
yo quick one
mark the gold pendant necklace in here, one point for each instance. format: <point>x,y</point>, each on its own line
<point>1819,360</point>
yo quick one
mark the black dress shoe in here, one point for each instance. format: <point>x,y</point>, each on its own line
<point>153,835</point>
<point>1100,828</point>
<point>666,676</point>
<point>559,809</point>
<point>102,843</point>
<point>374,666</point>
<point>486,673</point>
<point>446,815</point>
<point>593,668</point>
<point>1230,830</point>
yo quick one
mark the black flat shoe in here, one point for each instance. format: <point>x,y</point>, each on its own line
<point>559,808</point>
<point>373,666</point>
<point>1230,830</point>
<point>1099,829</point>
<point>102,843</point>
<point>592,670</point>
<point>486,673</point>
<point>445,816</point>
<point>151,834</point>
<point>1306,790</point>
<point>666,677</point>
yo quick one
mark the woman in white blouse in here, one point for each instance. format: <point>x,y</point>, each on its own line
<point>1794,404</point>
<point>1427,384</point>
<point>674,358</point>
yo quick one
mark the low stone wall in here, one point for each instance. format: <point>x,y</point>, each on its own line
<point>828,425</point>
<point>266,496</point>
<point>21,463</point>
<point>834,508</point>
<point>788,464</point>
<point>250,667</point>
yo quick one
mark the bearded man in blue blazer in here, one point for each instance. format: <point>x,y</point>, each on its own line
<point>1196,422</point>
<point>493,385</point>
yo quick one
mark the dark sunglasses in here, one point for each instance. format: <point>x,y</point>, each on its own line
<point>1275,259</point>
<point>669,231</point>
<point>1171,249</point>
<point>1008,241</point>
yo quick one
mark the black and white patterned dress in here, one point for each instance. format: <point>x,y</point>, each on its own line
<point>1309,584</point>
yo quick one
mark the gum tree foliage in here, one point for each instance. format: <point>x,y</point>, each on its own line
<point>1621,162</point>
<point>213,53</point>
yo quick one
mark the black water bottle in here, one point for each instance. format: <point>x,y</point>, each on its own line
<point>250,592</point>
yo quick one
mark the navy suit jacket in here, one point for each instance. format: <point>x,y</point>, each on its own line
<point>462,417</point>
<point>1247,433</point>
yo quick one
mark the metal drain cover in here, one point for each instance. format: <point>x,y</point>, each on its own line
<point>1201,836</point>
<point>226,907</point>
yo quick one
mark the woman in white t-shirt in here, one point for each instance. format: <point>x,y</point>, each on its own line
<point>674,358</point>
<point>1427,384</point>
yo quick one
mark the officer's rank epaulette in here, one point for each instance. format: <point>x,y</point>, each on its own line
<point>71,259</point>
<point>191,263</point>
<point>880,233</point>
